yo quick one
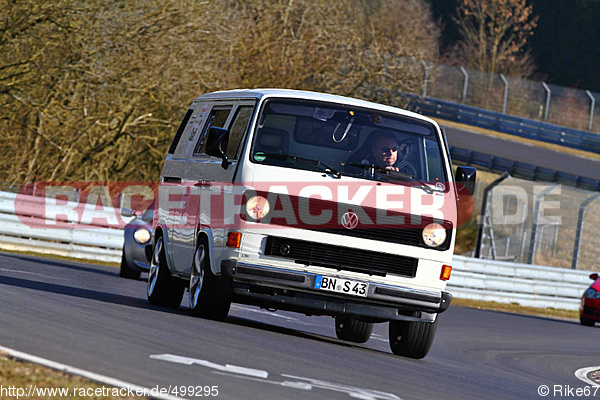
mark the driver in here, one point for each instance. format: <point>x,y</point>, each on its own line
<point>387,152</point>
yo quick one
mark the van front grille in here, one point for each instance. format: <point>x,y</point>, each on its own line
<point>341,258</point>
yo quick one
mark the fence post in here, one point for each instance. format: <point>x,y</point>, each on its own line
<point>505,93</point>
<point>426,79</point>
<point>536,217</point>
<point>482,215</point>
<point>465,85</point>
<point>579,229</point>
<point>548,94</point>
<point>591,109</point>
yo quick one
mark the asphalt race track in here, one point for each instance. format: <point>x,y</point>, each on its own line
<point>527,153</point>
<point>85,316</point>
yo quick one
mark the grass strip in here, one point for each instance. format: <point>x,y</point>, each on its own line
<point>517,309</point>
<point>21,379</point>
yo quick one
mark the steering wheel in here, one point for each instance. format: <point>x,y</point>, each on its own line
<point>407,168</point>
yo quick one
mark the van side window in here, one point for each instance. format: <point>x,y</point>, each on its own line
<point>238,129</point>
<point>217,117</point>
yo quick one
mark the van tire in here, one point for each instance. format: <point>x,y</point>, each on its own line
<point>411,339</point>
<point>353,330</point>
<point>163,289</point>
<point>208,295</point>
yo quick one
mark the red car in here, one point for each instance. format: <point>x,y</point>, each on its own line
<point>590,303</point>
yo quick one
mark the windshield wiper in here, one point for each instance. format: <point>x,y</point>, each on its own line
<point>398,175</point>
<point>309,161</point>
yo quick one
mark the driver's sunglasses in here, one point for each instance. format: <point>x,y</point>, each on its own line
<point>388,149</point>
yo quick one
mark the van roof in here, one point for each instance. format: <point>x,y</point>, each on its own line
<point>303,94</point>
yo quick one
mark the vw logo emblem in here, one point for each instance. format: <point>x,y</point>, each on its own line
<point>350,220</point>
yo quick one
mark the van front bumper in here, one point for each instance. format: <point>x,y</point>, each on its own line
<point>290,290</point>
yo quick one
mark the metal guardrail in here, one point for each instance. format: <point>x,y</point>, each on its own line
<point>510,124</point>
<point>518,126</point>
<point>25,226</point>
<point>524,284</point>
<point>522,170</point>
<point>472,278</point>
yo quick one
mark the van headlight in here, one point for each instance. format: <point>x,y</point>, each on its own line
<point>142,235</point>
<point>257,207</point>
<point>434,235</point>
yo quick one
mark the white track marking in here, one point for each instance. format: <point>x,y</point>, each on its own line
<point>264,312</point>
<point>581,374</point>
<point>106,380</point>
<point>272,314</point>
<point>376,336</point>
<point>288,381</point>
<point>14,271</point>
<point>234,369</point>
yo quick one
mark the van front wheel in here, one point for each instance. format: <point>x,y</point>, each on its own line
<point>353,330</point>
<point>411,339</point>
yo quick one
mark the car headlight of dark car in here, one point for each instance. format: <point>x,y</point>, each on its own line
<point>142,235</point>
<point>592,293</point>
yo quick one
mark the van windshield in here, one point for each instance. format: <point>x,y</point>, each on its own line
<point>345,141</point>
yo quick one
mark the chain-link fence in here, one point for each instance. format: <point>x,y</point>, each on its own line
<point>579,109</point>
<point>530,222</point>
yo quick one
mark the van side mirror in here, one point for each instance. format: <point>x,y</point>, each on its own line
<point>216,144</point>
<point>465,180</point>
<point>127,212</point>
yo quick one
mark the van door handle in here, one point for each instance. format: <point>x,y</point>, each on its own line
<point>203,184</point>
<point>172,179</point>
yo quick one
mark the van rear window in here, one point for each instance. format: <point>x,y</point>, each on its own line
<point>180,130</point>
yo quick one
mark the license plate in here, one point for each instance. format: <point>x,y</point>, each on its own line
<point>340,285</point>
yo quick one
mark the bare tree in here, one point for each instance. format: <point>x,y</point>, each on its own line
<point>81,87</point>
<point>494,36</point>
<point>341,47</point>
<point>92,90</point>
